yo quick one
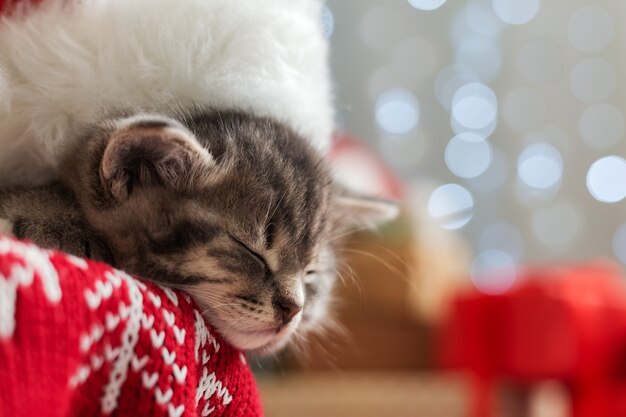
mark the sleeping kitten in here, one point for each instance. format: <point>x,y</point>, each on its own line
<point>181,141</point>
<point>238,210</point>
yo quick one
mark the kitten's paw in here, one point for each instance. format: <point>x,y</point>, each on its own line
<point>67,235</point>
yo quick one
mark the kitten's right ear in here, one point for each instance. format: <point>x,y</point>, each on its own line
<point>151,153</point>
<point>357,211</point>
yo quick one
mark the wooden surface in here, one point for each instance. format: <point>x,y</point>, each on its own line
<point>363,394</point>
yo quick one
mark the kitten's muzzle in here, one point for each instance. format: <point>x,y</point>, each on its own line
<point>286,310</point>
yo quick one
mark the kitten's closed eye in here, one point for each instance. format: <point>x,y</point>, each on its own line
<point>253,254</point>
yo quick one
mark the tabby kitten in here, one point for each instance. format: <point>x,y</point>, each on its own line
<point>236,207</point>
<point>239,211</point>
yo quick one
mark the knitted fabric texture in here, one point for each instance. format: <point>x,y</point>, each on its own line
<point>79,338</point>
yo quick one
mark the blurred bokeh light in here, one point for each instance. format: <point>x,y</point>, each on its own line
<point>513,105</point>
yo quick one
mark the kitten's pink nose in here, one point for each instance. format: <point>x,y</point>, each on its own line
<point>287,310</point>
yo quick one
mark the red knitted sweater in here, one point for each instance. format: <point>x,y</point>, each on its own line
<point>79,338</point>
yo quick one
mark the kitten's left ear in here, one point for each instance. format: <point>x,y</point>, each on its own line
<point>151,153</point>
<point>353,210</point>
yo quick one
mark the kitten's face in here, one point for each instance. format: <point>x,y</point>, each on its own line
<point>233,209</point>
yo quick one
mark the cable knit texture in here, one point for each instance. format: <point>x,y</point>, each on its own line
<point>79,338</point>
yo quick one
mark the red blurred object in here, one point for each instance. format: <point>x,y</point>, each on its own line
<point>566,323</point>
<point>360,168</point>
<point>6,5</point>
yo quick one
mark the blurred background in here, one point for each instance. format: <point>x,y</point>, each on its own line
<point>500,126</point>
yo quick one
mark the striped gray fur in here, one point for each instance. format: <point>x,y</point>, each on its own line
<point>238,210</point>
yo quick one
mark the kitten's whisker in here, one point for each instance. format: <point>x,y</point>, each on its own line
<point>342,267</point>
<point>342,264</point>
<point>340,235</point>
<point>375,257</point>
<point>354,281</point>
<point>403,262</point>
<point>300,348</point>
<point>216,306</point>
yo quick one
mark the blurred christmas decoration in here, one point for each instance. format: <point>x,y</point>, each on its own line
<point>563,323</point>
